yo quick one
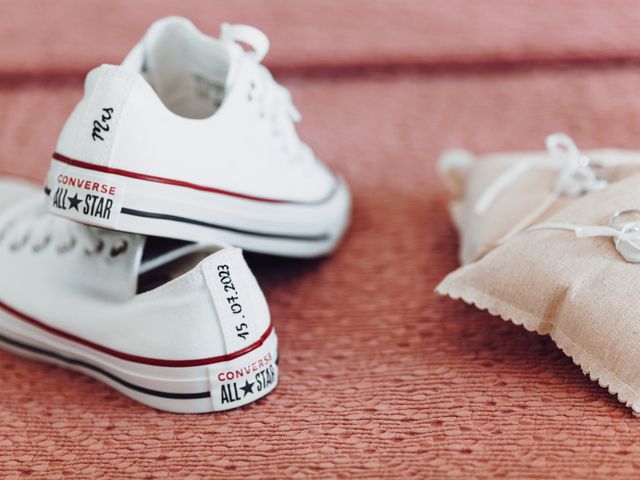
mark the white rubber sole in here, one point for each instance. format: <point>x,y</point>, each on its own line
<point>201,388</point>
<point>151,207</point>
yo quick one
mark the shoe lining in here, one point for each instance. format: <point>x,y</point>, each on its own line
<point>187,69</point>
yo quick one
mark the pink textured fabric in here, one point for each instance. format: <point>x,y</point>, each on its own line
<point>74,35</point>
<point>380,377</point>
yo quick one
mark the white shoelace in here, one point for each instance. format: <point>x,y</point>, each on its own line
<point>28,224</point>
<point>575,178</point>
<point>274,101</point>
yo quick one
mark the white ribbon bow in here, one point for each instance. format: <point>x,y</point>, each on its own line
<point>575,178</point>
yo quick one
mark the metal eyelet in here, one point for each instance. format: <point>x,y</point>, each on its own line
<point>67,248</point>
<point>38,247</point>
<point>97,249</point>
<point>119,248</point>
<point>15,246</point>
<point>251,96</point>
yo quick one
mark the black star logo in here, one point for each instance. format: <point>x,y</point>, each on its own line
<point>248,387</point>
<point>74,202</point>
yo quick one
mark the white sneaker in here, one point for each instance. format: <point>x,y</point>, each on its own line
<point>191,138</point>
<point>197,339</point>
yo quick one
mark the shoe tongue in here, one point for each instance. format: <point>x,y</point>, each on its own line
<point>158,252</point>
<point>146,263</point>
<point>164,259</point>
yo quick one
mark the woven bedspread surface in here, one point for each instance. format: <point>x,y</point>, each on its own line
<point>379,376</point>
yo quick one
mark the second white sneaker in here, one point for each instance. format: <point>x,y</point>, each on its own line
<point>191,138</point>
<point>177,326</point>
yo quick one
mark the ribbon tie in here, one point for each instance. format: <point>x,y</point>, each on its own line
<point>575,178</point>
<point>625,234</point>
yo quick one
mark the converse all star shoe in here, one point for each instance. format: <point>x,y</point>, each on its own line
<point>191,138</point>
<point>177,326</point>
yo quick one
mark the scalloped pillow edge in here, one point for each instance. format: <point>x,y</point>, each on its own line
<point>450,287</point>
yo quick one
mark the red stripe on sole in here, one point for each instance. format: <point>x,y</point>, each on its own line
<point>168,181</point>
<point>134,358</point>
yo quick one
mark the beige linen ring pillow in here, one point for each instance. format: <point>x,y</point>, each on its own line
<point>568,278</point>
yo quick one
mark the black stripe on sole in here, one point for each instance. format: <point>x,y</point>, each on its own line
<point>173,218</point>
<point>80,363</point>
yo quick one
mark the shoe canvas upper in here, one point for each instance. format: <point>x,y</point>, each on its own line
<point>84,281</point>
<point>196,109</point>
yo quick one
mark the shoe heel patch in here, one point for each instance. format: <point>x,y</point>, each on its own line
<point>232,298</point>
<point>253,375</point>
<point>85,198</point>
<point>244,380</point>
